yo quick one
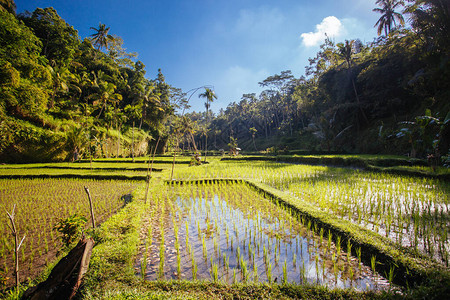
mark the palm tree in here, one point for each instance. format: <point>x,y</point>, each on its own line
<point>133,112</point>
<point>346,52</point>
<point>61,76</point>
<point>253,131</point>
<point>150,103</point>
<point>431,19</point>
<point>187,127</point>
<point>105,95</point>
<point>388,15</point>
<point>101,38</point>
<point>209,95</point>
<point>8,5</point>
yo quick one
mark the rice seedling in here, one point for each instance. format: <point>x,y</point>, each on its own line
<point>161,260</point>
<point>373,262</point>
<point>244,270</point>
<point>338,247</point>
<point>349,250</point>
<point>215,272</point>
<point>194,268</point>
<point>269,272</point>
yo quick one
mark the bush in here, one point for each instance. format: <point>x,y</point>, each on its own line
<point>70,228</point>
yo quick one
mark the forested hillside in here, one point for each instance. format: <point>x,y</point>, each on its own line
<point>387,96</point>
<point>61,96</point>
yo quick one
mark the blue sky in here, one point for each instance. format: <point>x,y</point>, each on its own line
<point>229,44</point>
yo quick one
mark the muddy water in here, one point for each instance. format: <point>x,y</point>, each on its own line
<point>230,233</point>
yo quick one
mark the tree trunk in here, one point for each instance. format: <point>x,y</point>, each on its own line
<point>118,139</point>
<point>359,103</point>
<point>132,142</point>
<point>174,154</point>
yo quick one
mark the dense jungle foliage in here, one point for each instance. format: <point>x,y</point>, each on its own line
<point>62,97</point>
<point>387,96</point>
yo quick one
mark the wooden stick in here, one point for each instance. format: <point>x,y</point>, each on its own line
<point>90,203</point>
<point>17,245</point>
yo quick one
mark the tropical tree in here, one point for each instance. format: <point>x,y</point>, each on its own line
<point>101,38</point>
<point>209,95</point>
<point>346,52</point>
<point>151,105</point>
<point>60,41</point>
<point>253,131</point>
<point>106,94</point>
<point>8,5</point>
<point>388,15</point>
<point>133,112</point>
<point>431,19</point>
<point>60,78</point>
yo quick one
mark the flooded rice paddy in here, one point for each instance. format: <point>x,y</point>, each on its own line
<point>230,233</point>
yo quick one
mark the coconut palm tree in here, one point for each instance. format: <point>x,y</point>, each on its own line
<point>209,95</point>
<point>151,103</point>
<point>61,77</point>
<point>346,52</point>
<point>106,94</point>
<point>388,15</point>
<point>101,38</point>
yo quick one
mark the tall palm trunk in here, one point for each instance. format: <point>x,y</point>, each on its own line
<point>206,133</point>
<point>118,138</point>
<point>132,142</point>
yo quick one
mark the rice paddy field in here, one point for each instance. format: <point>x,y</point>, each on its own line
<point>39,205</point>
<point>413,212</point>
<point>220,224</point>
<point>227,232</point>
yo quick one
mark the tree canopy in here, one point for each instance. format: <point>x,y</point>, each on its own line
<point>59,93</point>
<point>55,89</point>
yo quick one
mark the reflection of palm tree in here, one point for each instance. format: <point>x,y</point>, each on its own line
<point>388,16</point>
<point>101,38</point>
<point>209,95</point>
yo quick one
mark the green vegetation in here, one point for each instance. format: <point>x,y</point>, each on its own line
<point>386,96</point>
<point>62,99</point>
<point>297,213</point>
<point>129,241</point>
<point>50,212</point>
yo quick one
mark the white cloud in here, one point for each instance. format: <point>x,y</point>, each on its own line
<point>330,26</point>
